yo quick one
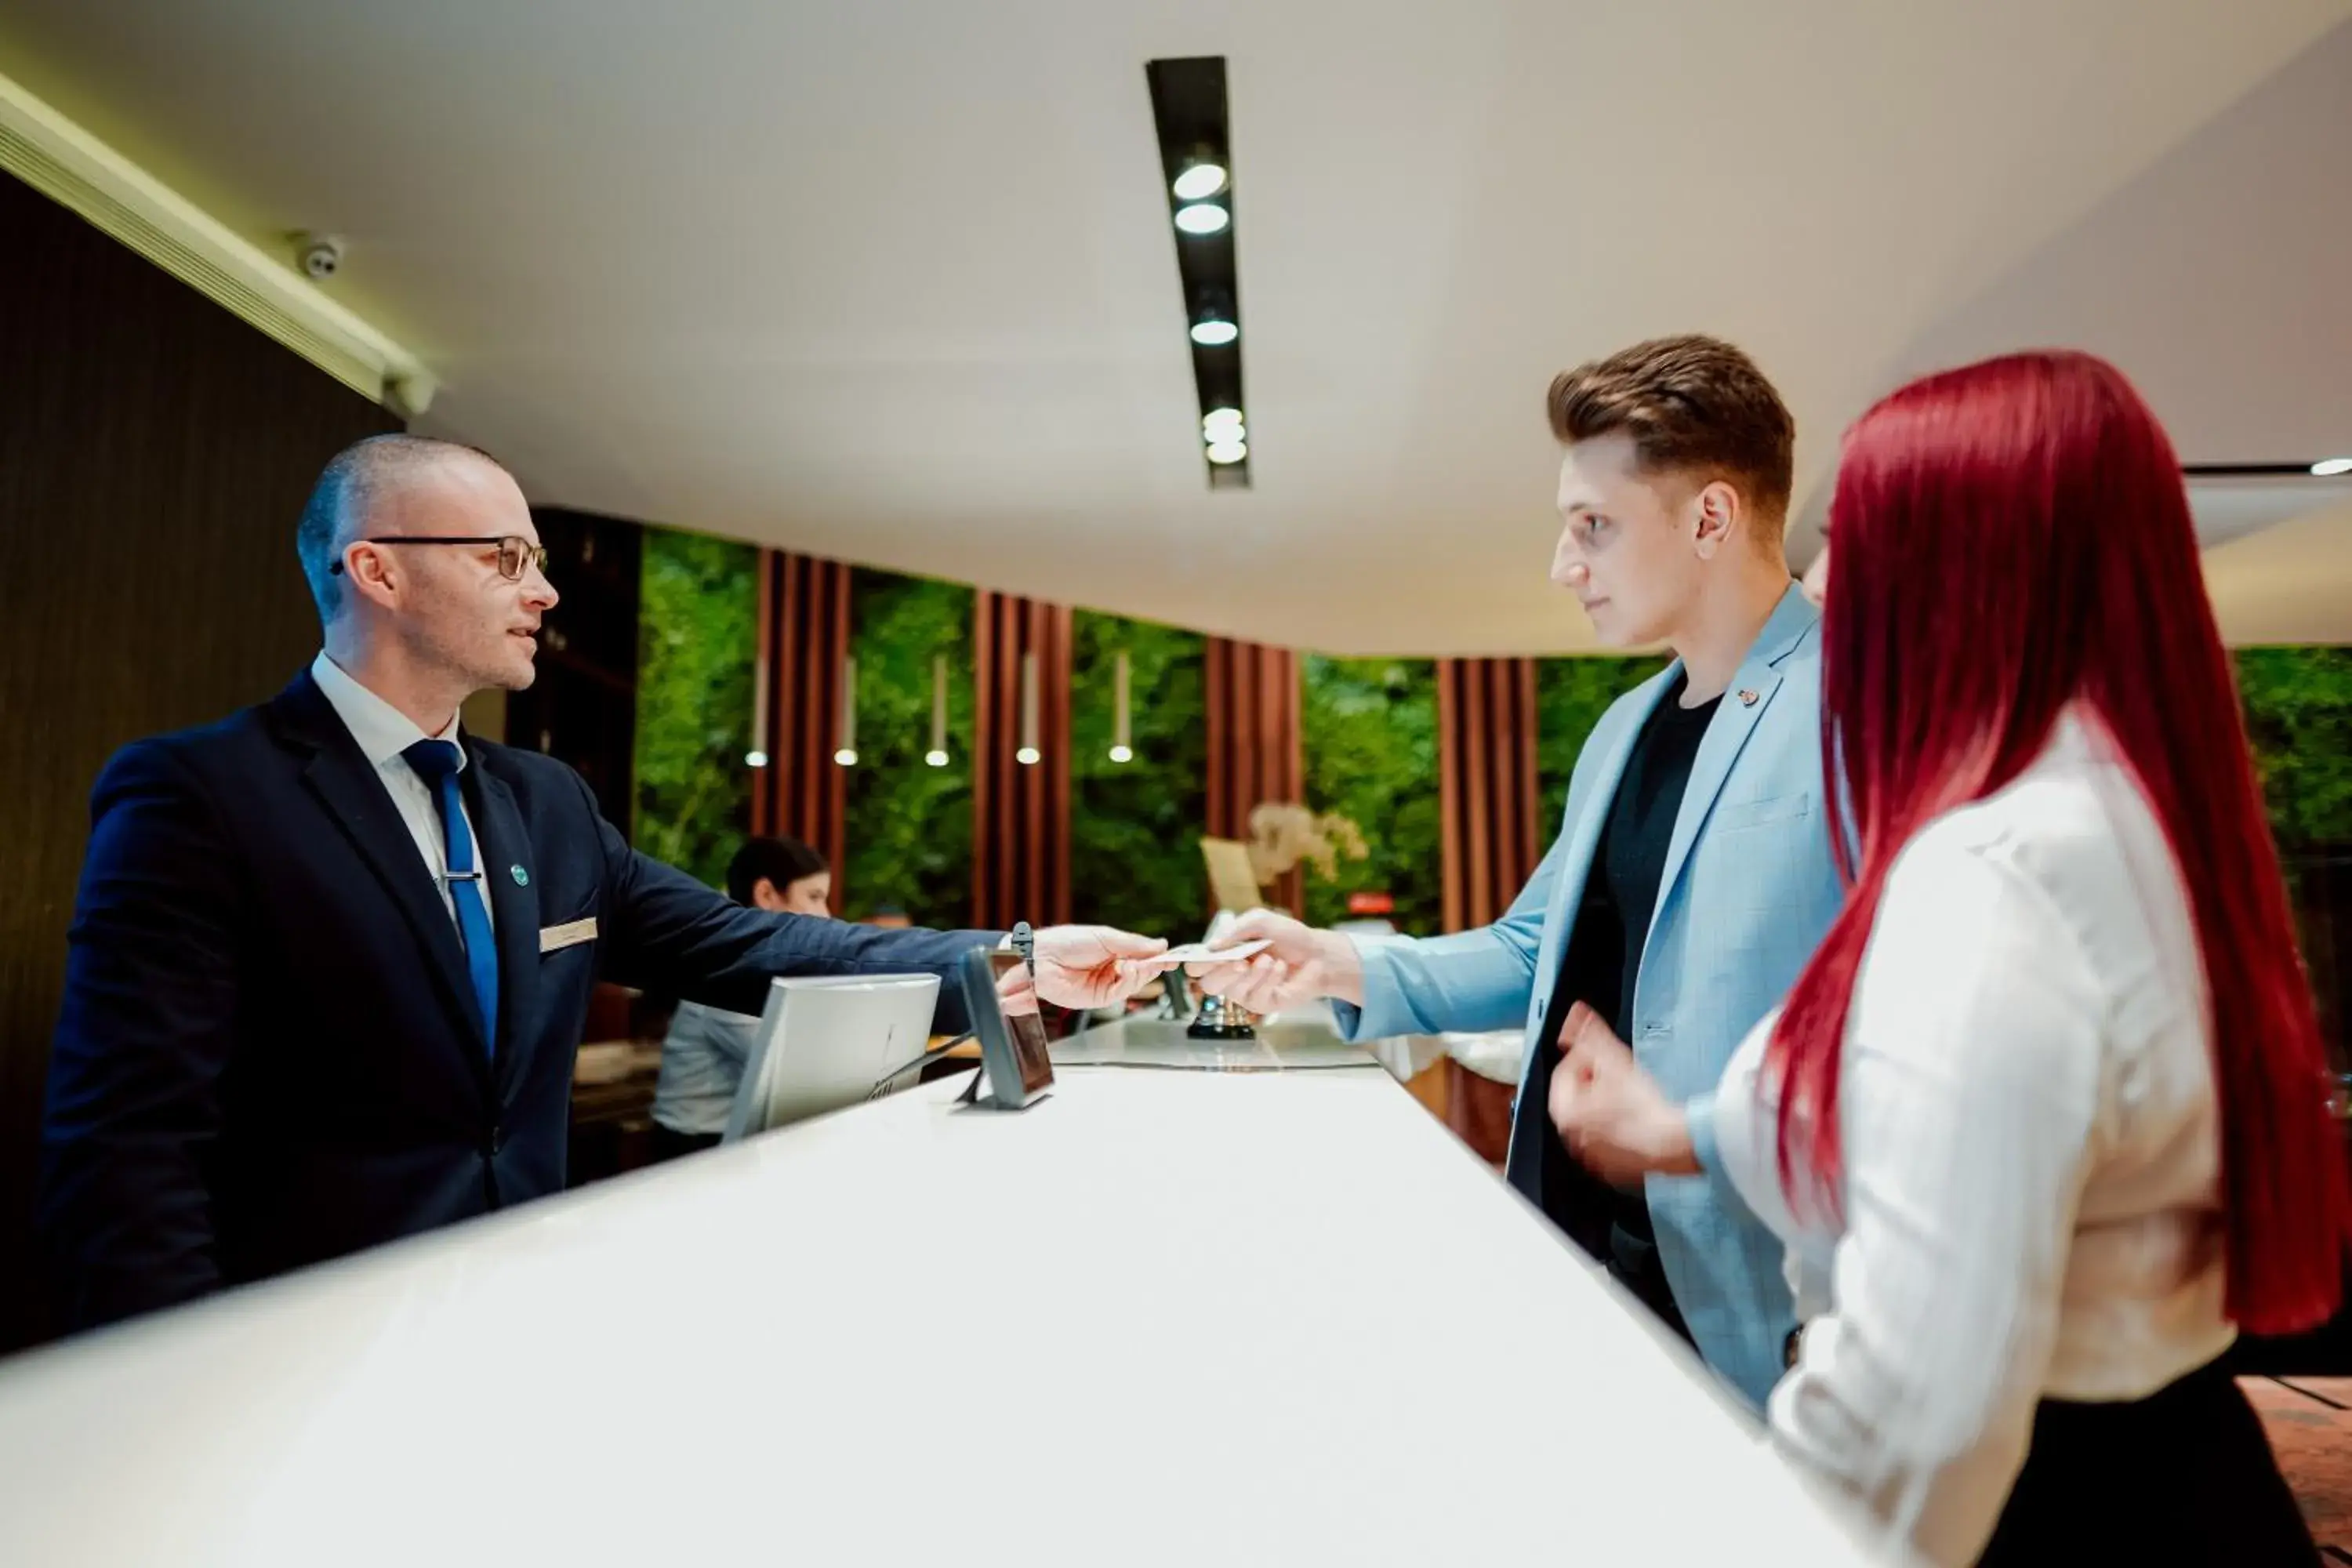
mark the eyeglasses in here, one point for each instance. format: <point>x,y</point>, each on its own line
<point>515,551</point>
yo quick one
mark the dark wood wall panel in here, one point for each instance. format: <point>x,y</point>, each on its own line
<point>1256,748</point>
<point>1020,813</point>
<point>804,639</point>
<point>1486,785</point>
<point>155,455</point>
<point>583,708</point>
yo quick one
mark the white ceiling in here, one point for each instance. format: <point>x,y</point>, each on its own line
<point>894,282</point>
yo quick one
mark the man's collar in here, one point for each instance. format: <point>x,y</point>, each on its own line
<point>382,730</point>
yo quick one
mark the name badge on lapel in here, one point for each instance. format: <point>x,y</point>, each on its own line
<point>552,938</point>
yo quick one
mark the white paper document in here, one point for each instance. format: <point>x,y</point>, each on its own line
<point>1201,952</point>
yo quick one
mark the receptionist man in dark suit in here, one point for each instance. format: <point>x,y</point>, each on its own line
<point>331,956</point>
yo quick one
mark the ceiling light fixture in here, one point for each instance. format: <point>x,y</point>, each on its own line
<point>1225,452</point>
<point>1122,707</point>
<point>938,755</point>
<point>846,754</point>
<point>1202,178</point>
<point>1213,329</point>
<point>1221,425</point>
<point>1202,218</point>
<point>1029,755</point>
<point>2328,468</point>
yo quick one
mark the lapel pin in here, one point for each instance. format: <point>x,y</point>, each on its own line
<point>1747,697</point>
<point>521,877</point>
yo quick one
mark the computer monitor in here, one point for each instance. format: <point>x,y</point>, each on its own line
<point>824,1041</point>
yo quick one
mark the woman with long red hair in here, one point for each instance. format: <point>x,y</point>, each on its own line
<point>2045,1123</point>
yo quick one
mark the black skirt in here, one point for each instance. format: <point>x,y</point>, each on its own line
<point>2182,1478</point>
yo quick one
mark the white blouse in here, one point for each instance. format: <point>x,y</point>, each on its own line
<point>2032,1154</point>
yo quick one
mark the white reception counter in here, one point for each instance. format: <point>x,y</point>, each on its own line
<point>1164,1317</point>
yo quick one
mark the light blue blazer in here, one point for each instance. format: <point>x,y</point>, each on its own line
<point>1748,892</point>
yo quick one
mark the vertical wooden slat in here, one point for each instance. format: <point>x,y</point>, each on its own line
<point>763,723</point>
<point>1057,759</point>
<point>983,750</point>
<point>1476,770</point>
<point>1214,667</point>
<point>1451,858</point>
<point>835,843</point>
<point>1531,828</point>
<point>1283,749</point>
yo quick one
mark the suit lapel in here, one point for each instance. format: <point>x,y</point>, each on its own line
<point>1751,692</point>
<point>506,846</point>
<point>348,785</point>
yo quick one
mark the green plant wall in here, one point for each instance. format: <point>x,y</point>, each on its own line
<point>1136,826</point>
<point>1571,694</point>
<point>909,824</point>
<point>1370,728</point>
<point>697,638</point>
<point>2298,707</point>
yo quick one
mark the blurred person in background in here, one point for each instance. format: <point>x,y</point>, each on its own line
<point>707,1048</point>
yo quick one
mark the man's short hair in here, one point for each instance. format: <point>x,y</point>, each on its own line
<point>779,860</point>
<point>347,490</point>
<point>1691,405</point>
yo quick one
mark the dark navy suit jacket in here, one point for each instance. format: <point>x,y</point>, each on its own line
<point>267,1055</point>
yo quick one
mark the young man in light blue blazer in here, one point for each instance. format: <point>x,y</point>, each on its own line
<point>1692,877</point>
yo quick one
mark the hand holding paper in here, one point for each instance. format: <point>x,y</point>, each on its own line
<point>1290,963</point>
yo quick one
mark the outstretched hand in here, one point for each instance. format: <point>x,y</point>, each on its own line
<point>1095,966</point>
<point>1300,965</point>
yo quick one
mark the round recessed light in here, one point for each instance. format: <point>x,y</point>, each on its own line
<point>1205,178</point>
<point>2328,468</point>
<point>1027,756</point>
<point>846,757</point>
<point>1122,754</point>
<point>1214,331</point>
<point>1221,424</point>
<point>936,759</point>
<point>755,759</point>
<point>1202,218</point>
<point>1224,452</point>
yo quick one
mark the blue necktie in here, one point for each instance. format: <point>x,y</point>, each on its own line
<point>435,762</point>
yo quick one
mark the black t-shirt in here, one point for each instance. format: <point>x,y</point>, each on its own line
<point>1604,959</point>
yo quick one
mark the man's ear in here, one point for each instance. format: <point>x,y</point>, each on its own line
<point>1718,509</point>
<point>370,573</point>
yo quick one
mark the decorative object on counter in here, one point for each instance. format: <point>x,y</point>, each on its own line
<point>1219,1019</point>
<point>1283,835</point>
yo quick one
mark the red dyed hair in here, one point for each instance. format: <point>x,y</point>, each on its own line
<point>2013,537</point>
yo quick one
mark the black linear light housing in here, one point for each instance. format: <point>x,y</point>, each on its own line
<point>2323,468</point>
<point>1188,106</point>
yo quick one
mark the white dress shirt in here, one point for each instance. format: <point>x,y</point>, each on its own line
<point>384,732</point>
<point>2032,1154</point>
